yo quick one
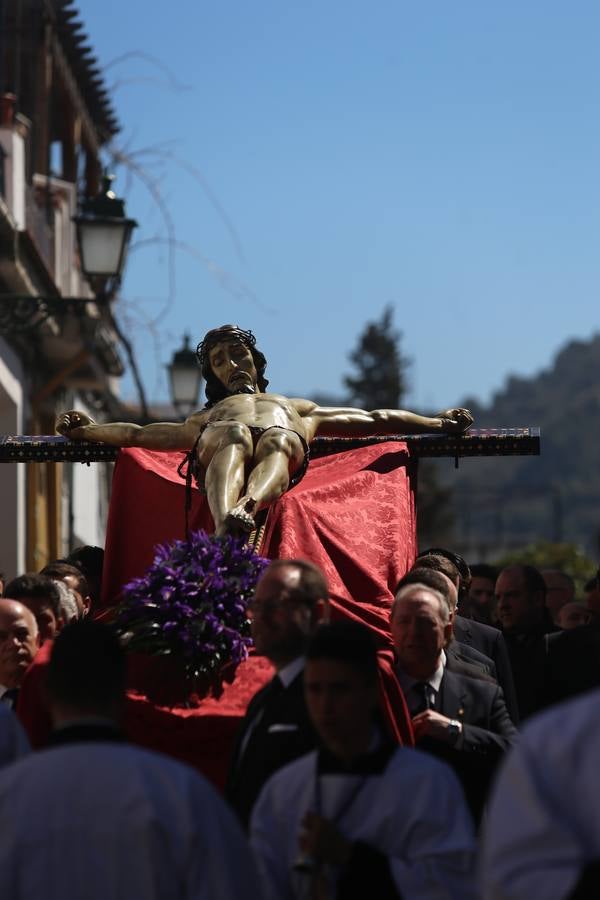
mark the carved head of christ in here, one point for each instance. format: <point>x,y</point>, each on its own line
<point>231,363</point>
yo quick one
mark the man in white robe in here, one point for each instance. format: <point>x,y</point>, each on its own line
<point>542,835</point>
<point>92,818</point>
<point>360,816</point>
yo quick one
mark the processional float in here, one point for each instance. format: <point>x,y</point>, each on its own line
<point>353,514</point>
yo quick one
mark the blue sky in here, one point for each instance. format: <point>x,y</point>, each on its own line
<point>439,157</point>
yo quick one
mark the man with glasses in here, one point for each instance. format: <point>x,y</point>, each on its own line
<point>291,599</point>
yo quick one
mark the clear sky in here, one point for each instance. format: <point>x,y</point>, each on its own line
<point>441,157</point>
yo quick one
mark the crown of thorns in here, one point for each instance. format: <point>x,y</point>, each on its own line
<point>224,333</point>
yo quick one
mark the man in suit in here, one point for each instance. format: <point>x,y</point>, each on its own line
<point>291,599</point>
<point>97,818</point>
<point>19,643</point>
<point>470,633</point>
<point>460,719</point>
<point>572,664</point>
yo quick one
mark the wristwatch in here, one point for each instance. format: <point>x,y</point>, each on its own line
<point>454,729</point>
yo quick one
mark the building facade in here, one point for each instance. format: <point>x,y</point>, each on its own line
<point>55,354</point>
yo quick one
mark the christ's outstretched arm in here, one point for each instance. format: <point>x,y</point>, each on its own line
<point>157,436</point>
<point>349,422</point>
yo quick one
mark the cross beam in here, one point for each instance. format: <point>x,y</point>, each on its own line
<point>477,442</point>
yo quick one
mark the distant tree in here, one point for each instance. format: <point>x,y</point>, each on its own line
<point>379,379</point>
<point>379,382</point>
<point>567,557</point>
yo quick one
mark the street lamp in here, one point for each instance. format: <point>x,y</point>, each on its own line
<point>184,376</point>
<point>103,234</point>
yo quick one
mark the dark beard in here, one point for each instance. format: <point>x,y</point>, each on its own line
<point>246,388</point>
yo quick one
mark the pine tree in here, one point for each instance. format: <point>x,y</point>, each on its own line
<point>379,380</point>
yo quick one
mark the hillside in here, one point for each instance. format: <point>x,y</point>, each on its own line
<point>500,503</point>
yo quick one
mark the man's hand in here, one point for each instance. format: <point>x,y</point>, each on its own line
<point>455,421</point>
<point>67,422</point>
<point>321,840</point>
<point>433,724</point>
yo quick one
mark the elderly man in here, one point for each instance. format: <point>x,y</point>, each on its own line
<point>19,642</point>
<point>251,445</point>
<point>476,636</point>
<point>291,598</point>
<point>94,817</point>
<point>460,719</point>
<point>360,817</point>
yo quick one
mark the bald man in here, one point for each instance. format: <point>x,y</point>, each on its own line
<point>19,642</point>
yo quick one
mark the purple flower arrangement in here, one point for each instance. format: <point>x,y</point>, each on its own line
<point>191,605</point>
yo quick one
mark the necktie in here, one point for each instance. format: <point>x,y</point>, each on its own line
<point>423,690</point>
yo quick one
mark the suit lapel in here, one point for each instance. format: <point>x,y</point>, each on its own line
<point>453,698</point>
<point>464,634</point>
<point>270,708</point>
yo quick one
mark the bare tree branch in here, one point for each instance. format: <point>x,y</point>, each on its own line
<point>161,152</point>
<point>174,84</point>
<point>237,289</point>
<point>152,185</point>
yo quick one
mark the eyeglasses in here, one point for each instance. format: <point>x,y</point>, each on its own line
<point>269,605</point>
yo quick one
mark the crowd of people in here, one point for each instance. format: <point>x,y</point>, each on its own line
<point>492,793</point>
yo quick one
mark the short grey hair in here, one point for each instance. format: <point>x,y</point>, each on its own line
<point>408,589</point>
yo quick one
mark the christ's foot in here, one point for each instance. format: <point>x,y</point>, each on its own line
<point>240,520</point>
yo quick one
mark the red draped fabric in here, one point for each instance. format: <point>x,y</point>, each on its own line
<point>353,514</point>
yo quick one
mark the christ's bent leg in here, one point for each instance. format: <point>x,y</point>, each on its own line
<point>277,453</point>
<point>224,450</point>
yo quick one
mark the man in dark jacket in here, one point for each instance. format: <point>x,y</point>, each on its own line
<point>291,598</point>
<point>460,719</point>
<point>525,622</point>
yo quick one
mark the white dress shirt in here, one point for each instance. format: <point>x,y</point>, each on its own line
<point>413,695</point>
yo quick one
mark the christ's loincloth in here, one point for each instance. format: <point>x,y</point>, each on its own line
<point>296,477</point>
<point>191,467</point>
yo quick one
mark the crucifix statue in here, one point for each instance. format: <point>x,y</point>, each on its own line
<point>249,445</point>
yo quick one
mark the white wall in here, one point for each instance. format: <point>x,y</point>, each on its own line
<point>12,475</point>
<point>14,172</point>
<point>85,496</point>
<point>88,504</point>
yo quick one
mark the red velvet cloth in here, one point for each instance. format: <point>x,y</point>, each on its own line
<point>353,514</point>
